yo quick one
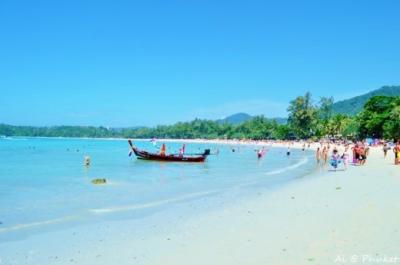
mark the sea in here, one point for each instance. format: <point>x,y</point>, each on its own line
<point>45,186</point>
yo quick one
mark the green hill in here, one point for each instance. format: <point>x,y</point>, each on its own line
<point>242,117</point>
<point>236,118</point>
<point>354,105</point>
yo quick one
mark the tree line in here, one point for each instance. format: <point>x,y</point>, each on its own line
<point>380,118</point>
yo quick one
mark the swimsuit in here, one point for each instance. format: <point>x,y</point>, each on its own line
<point>335,161</point>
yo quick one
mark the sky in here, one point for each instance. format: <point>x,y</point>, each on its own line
<point>134,63</point>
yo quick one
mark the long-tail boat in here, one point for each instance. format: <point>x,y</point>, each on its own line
<point>140,154</point>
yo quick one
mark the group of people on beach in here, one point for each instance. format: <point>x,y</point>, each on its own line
<point>338,155</point>
<point>335,153</point>
<point>359,151</point>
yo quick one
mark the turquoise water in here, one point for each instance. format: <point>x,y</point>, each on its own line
<point>43,183</point>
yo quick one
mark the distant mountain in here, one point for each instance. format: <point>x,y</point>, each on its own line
<point>354,105</point>
<point>242,117</point>
<point>236,118</point>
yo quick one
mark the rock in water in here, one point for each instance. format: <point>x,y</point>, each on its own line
<point>99,181</point>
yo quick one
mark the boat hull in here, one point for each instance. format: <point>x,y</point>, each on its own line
<point>168,158</point>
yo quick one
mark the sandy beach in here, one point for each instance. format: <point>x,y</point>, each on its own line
<point>343,217</point>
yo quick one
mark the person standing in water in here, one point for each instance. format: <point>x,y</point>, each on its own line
<point>325,155</point>
<point>318,155</point>
<point>288,151</point>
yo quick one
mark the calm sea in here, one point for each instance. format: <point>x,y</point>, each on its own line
<point>43,182</point>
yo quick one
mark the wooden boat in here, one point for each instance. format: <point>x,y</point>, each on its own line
<point>140,154</point>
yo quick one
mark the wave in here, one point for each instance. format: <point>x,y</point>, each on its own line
<point>13,138</point>
<point>36,224</point>
<point>274,172</point>
<point>109,210</point>
<point>291,167</point>
<point>152,204</point>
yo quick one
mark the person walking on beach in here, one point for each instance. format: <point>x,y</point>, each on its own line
<point>386,148</point>
<point>396,151</point>
<point>346,157</point>
<point>362,155</point>
<point>335,160</point>
<point>366,149</point>
<point>355,156</point>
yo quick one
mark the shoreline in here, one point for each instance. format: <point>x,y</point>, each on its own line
<point>325,218</point>
<point>228,142</point>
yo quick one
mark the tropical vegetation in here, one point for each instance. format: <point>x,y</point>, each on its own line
<point>355,105</point>
<point>379,118</point>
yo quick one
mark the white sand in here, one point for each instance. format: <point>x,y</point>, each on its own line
<point>338,218</point>
<point>344,217</point>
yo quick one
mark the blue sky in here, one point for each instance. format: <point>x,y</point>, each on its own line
<point>127,63</point>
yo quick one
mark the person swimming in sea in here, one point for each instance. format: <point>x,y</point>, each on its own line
<point>261,152</point>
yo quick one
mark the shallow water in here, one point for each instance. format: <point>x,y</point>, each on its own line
<point>44,185</point>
